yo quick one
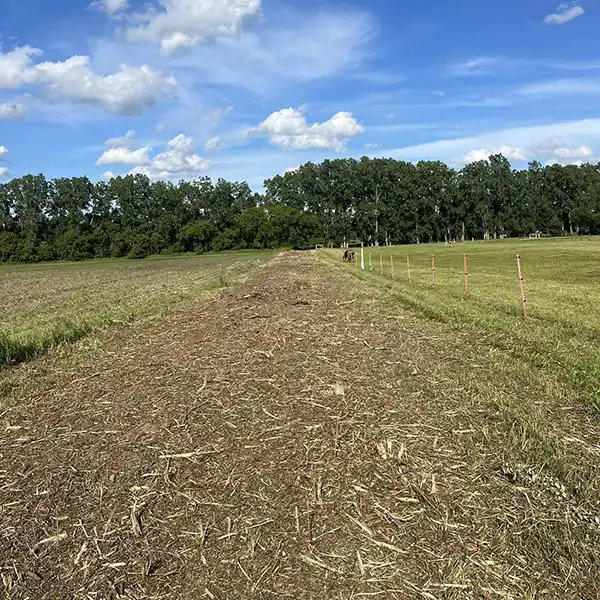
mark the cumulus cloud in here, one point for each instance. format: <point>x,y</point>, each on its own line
<point>212,143</point>
<point>108,175</point>
<point>179,24</point>
<point>125,156</point>
<point>551,150</point>
<point>371,146</point>
<point>120,151</point>
<point>288,128</point>
<point>125,92</point>
<point>15,67</point>
<point>10,110</point>
<point>564,13</point>
<point>125,141</point>
<point>484,153</point>
<point>110,6</point>
<point>178,161</point>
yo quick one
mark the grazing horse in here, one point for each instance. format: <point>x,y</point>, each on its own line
<point>349,256</point>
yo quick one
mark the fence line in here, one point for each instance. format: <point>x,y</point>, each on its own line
<point>467,286</point>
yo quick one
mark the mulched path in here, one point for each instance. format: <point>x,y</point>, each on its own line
<point>292,437</point>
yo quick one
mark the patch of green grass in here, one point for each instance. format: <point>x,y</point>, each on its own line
<point>44,305</point>
<point>562,286</point>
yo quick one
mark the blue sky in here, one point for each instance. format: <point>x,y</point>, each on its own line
<point>246,89</point>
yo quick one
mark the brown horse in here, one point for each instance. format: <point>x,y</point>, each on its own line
<point>349,256</point>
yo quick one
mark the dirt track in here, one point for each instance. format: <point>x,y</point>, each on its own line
<point>291,438</point>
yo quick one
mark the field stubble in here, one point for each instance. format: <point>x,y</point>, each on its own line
<point>297,437</point>
<point>43,305</point>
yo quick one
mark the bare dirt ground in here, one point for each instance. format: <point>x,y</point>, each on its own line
<point>293,437</point>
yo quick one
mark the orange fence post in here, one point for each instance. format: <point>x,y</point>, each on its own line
<point>523,300</point>
<point>466,278</point>
<point>432,270</point>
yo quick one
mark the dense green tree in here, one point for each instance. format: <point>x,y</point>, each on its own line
<point>374,201</point>
<point>198,236</point>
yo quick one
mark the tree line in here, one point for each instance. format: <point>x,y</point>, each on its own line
<point>336,202</point>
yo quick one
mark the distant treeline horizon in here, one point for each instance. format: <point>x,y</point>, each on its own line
<point>340,201</point>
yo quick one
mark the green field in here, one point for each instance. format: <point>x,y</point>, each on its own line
<point>562,286</point>
<point>42,305</point>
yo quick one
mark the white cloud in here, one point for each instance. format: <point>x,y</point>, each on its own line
<point>554,141</point>
<point>10,110</point>
<point>288,128</point>
<point>440,94</point>
<point>125,156</point>
<point>119,151</point>
<point>3,153</point>
<point>370,146</point>
<point>509,152</point>
<point>125,92</point>
<point>476,66</point>
<point>564,14</point>
<point>212,143</point>
<point>185,23</point>
<point>301,48</point>
<point>125,141</point>
<point>15,67</point>
<point>549,150</point>
<point>110,6</point>
<point>108,175</point>
<point>179,161</point>
<point>580,153</point>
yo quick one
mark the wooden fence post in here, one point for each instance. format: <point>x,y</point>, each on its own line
<point>433,270</point>
<point>362,257</point>
<point>392,264</point>
<point>381,264</point>
<point>408,268</point>
<point>520,275</point>
<point>466,278</point>
<point>370,263</point>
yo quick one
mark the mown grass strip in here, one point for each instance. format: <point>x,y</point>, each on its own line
<point>562,333</point>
